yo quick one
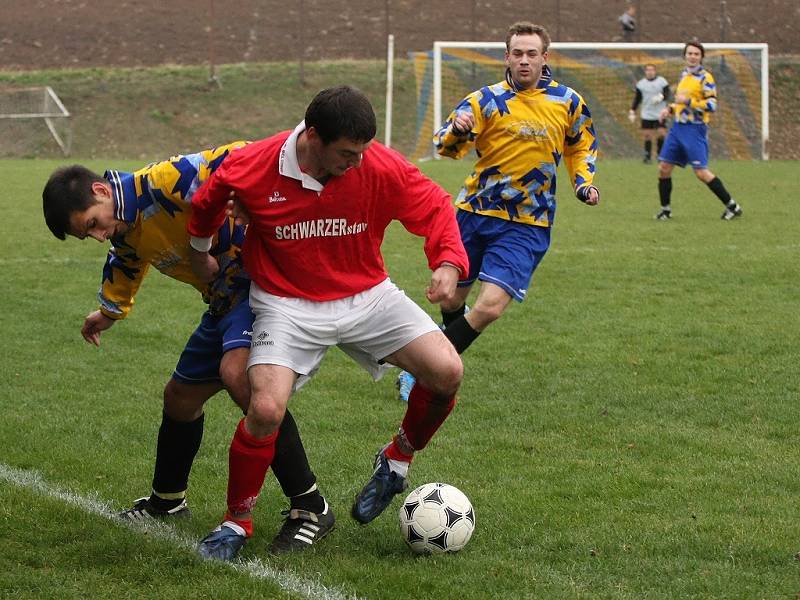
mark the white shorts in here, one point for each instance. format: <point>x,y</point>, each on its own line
<point>296,333</point>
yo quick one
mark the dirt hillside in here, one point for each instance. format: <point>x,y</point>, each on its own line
<point>61,33</point>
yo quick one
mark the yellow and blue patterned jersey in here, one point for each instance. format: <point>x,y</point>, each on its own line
<point>699,87</point>
<point>155,201</point>
<point>520,137</point>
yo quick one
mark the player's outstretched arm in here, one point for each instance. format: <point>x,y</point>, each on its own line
<point>95,323</point>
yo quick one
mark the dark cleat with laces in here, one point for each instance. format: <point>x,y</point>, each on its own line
<point>223,543</point>
<point>732,212</point>
<point>302,529</point>
<point>144,510</point>
<point>384,485</point>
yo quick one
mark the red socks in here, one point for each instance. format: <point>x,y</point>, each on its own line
<point>248,460</point>
<point>246,524</point>
<point>393,452</point>
<point>424,415</point>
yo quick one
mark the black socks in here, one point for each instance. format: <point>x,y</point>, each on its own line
<point>665,191</point>
<point>715,185</point>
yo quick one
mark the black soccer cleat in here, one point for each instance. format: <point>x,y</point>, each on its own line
<point>224,543</point>
<point>377,494</point>
<point>302,529</point>
<point>731,213</point>
<point>664,215</point>
<point>144,510</point>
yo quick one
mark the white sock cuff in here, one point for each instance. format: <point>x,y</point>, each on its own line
<point>398,466</point>
<point>235,526</point>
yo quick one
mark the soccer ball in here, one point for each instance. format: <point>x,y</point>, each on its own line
<point>435,518</point>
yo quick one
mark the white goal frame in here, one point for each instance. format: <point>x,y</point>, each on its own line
<point>763,48</point>
<point>61,112</point>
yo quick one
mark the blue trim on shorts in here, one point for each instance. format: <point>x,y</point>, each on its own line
<point>505,253</point>
<point>201,357</point>
<point>686,143</point>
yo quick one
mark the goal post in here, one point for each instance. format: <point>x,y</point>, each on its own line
<point>18,107</point>
<point>605,74</point>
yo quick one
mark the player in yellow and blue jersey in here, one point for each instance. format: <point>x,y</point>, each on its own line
<point>687,140</point>
<point>521,129</point>
<point>143,214</point>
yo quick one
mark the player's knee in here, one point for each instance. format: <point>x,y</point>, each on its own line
<point>179,404</point>
<point>704,175</point>
<point>265,414</point>
<point>485,314</point>
<point>236,384</point>
<point>448,377</point>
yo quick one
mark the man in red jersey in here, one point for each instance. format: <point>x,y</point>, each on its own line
<point>319,200</point>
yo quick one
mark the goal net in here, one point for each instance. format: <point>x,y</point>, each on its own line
<point>605,74</point>
<point>33,122</point>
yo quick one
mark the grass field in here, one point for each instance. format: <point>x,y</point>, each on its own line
<point>629,431</point>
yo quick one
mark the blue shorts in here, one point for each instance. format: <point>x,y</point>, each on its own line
<point>502,252</point>
<point>201,358</point>
<point>686,144</point>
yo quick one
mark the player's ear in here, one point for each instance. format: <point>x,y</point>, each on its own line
<point>312,135</point>
<point>101,189</point>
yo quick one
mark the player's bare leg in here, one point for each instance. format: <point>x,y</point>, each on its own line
<point>433,361</point>
<point>251,454</point>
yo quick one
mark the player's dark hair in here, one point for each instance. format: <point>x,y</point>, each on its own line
<point>341,112</point>
<point>69,190</point>
<point>528,28</point>
<point>697,45</point>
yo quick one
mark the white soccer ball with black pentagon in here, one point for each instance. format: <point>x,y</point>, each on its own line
<point>435,518</point>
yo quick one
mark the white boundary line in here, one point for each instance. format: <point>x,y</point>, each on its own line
<point>65,260</point>
<point>254,567</point>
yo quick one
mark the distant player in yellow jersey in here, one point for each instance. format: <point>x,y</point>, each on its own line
<point>521,129</point>
<point>143,215</point>
<point>687,140</point>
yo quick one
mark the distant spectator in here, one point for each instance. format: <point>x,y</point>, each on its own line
<point>628,22</point>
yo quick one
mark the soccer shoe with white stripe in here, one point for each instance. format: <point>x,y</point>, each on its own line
<point>223,543</point>
<point>405,381</point>
<point>377,494</point>
<point>731,213</point>
<point>664,215</point>
<point>302,529</point>
<point>143,510</point>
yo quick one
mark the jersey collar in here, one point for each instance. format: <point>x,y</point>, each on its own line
<point>288,165</point>
<point>544,80</point>
<point>123,191</point>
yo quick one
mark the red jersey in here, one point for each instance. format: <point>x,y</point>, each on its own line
<point>324,244</point>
